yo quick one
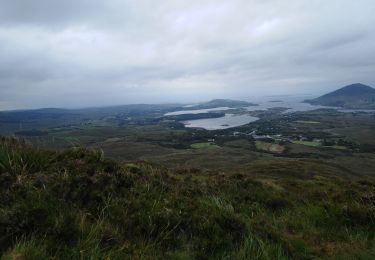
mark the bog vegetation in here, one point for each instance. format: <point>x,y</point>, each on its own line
<point>77,204</point>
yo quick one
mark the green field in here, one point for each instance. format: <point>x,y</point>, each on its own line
<point>308,122</point>
<point>204,145</point>
<point>318,144</point>
<point>308,143</point>
<point>269,147</point>
<point>338,147</point>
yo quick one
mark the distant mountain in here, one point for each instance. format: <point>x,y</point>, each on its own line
<point>223,103</point>
<point>355,96</point>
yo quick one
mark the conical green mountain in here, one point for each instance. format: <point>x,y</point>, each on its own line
<point>355,96</point>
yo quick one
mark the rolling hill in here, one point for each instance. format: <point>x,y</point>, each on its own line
<point>355,96</point>
<point>223,103</point>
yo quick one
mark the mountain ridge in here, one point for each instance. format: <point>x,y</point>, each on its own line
<point>354,96</point>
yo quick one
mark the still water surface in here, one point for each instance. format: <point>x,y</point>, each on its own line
<point>293,103</point>
<point>227,121</point>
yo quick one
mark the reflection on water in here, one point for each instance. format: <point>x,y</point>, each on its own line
<point>227,121</point>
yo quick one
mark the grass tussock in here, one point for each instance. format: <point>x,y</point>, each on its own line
<point>76,204</point>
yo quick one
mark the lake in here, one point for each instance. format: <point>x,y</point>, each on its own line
<point>227,121</point>
<point>293,103</point>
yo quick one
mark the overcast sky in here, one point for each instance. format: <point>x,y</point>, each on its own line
<point>76,53</point>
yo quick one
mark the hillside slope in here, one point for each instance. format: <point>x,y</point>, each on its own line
<point>355,96</point>
<point>222,103</point>
<point>76,204</point>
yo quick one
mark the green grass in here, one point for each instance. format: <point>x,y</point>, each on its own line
<point>203,145</point>
<point>255,248</point>
<point>308,143</point>
<point>17,158</point>
<point>269,147</point>
<point>27,249</point>
<point>338,147</point>
<point>318,144</point>
<point>307,122</point>
<point>77,204</point>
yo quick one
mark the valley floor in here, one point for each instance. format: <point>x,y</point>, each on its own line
<point>139,185</point>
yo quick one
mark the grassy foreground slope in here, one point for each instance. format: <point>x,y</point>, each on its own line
<point>76,204</point>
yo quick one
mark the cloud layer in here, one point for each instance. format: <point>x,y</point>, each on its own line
<point>91,53</point>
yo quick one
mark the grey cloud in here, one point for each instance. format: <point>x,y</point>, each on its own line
<point>47,13</point>
<point>341,40</point>
<point>81,53</point>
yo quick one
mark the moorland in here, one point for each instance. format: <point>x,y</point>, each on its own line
<point>131,182</point>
